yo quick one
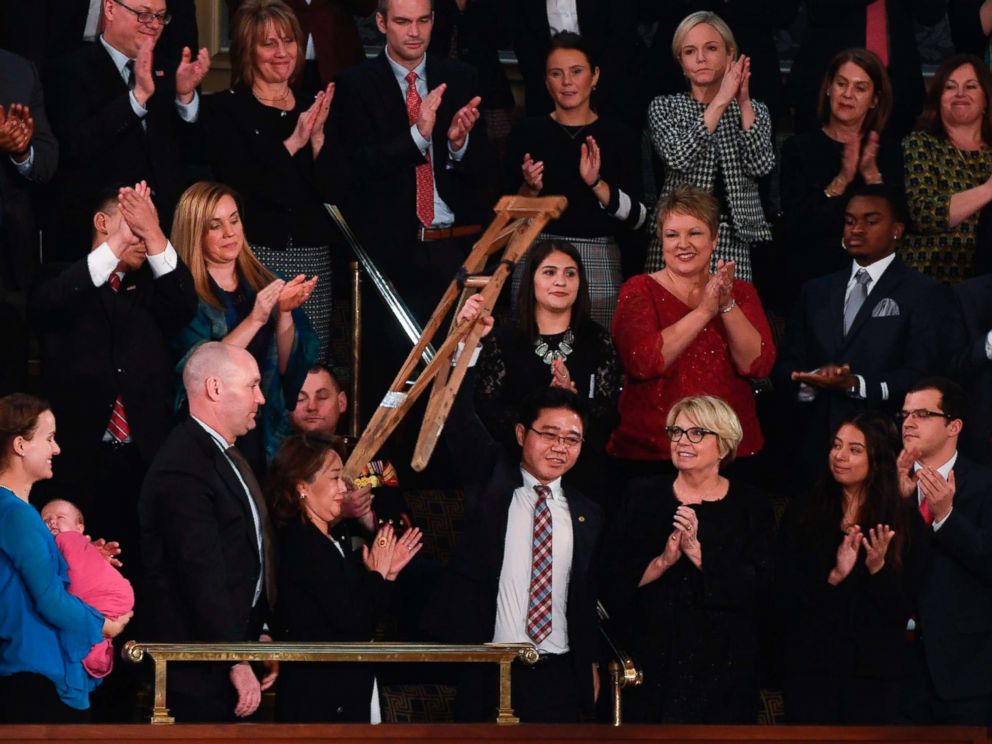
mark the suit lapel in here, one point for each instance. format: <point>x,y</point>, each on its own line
<point>391,100</point>
<point>889,280</point>
<point>835,311</point>
<point>581,536</point>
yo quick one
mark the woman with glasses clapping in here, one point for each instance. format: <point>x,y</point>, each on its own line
<point>694,555</point>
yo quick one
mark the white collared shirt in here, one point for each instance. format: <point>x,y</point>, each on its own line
<point>945,472</point>
<point>224,445</point>
<point>188,112</point>
<point>102,262</point>
<point>514,576</point>
<point>563,15</point>
<point>443,216</point>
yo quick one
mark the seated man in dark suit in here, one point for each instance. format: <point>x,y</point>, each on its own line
<point>522,572</point>
<point>121,117</point>
<point>104,323</point>
<point>952,684</point>
<point>206,538</point>
<point>972,365</point>
<point>861,337</point>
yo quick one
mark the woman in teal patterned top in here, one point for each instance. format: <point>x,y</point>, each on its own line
<point>948,171</point>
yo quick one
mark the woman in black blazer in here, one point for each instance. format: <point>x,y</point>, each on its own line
<point>323,595</point>
<point>848,568</point>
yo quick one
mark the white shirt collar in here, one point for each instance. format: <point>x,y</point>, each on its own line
<point>945,469</point>
<point>213,433</point>
<point>401,72</point>
<point>530,481</point>
<point>120,59</point>
<point>874,270</point>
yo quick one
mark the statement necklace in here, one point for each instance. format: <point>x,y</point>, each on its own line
<point>547,354</point>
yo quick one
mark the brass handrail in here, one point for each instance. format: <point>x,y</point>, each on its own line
<point>494,653</point>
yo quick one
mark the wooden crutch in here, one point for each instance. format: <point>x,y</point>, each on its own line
<point>518,222</point>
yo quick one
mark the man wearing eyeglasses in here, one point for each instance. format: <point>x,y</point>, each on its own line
<point>522,572</point>
<point>952,684</point>
<point>121,115</point>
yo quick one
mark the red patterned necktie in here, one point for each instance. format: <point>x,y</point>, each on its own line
<point>539,602</point>
<point>877,31</point>
<point>117,426</point>
<point>925,511</point>
<point>425,176</point>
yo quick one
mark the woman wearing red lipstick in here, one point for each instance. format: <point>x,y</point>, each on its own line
<point>694,556</point>
<point>820,167</point>
<point>684,331</point>
<point>949,173</point>
<point>715,137</point>
<point>847,569</point>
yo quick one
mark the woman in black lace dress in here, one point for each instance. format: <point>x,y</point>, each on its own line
<point>552,342</point>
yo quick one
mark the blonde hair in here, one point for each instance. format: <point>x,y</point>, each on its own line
<point>189,227</point>
<point>247,28</point>
<point>695,19</point>
<point>714,414</point>
<point>693,201</point>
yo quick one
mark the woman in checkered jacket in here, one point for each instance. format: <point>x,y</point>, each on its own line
<point>715,137</point>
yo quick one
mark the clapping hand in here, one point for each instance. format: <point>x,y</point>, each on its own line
<point>687,525</point>
<point>406,547</point>
<point>744,87</point>
<point>533,173</point>
<point>828,377</point>
<point>560,376</point>
<point>190,73</point>
<point>16,131</point>
<point>876,544</point>
<point>380,557</point>
<point>733,78</point>
<point>295,292</point>
<point>907,477</point>
<point>428,111</point>
<point>305,123</point>
<point>938,491</point>
<point>462,123</point>
<point>725,271</point>
<point>317,132</point>
<point>868,162</point>
<point>847,555</point>
<point>265,300</point>
<point>668,558</point>
<point>590,161</point>
<point>144,81</point>
<point>141,216</point>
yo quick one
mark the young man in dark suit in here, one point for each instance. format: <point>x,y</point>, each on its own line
<point>419,169</point>
<point>859,338</point>
<point>206,538</point>
<point>952,684</point>
<point>121,117</point>
<point>509,581</point>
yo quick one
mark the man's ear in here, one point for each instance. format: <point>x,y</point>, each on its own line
<point>521,431</point>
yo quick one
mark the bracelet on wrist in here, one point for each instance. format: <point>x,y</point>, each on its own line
<point>595,183</point>
<point>728,307</point>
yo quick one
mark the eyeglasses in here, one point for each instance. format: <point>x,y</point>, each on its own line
<point>920,413</point>
<point>694,435</point>
<point>147,18</point>
<point>568,442</point>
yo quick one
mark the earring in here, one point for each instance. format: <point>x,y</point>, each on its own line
<point>302,495</point>
<point>843,244</point>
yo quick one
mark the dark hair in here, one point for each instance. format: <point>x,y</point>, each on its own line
<point>953,398</point>
<point>878,116</point>
<point>572,40</point>
<point>318,367</point>
<point>382,7</point>
<point>930,120</point>
<point>299,458</point>
<point>545,397</point>
<point>19,414</point>
<point>883,502</point>
<point>894,198</point>
<point>525,294</point>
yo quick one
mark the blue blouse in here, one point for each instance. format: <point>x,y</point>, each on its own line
<point>43,629</point>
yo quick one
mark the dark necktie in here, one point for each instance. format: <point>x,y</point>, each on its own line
<point>269,574</point>
<point>859,293</point>
<point>130,74</point>
<point>539,600</point>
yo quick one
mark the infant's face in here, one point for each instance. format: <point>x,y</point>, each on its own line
<point>61,516</point>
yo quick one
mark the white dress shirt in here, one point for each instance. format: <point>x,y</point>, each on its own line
<point>188,112</point>
<point>101,262</point>
<point>514,576</point>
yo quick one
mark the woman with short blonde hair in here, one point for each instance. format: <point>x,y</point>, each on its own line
<point>714,414</point>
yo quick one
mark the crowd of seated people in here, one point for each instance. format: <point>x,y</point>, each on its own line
<point>788,488</point>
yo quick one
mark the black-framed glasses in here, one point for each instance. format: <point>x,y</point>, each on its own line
<point>694,434</point>
<point>920,414</point>
<point>147,18</point>
<point>567,441</point>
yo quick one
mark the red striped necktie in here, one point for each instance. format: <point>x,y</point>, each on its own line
<point>539,602</point>
<point>117,426</point>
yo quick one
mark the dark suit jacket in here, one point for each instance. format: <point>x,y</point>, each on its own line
<point>201,560</point>
<point>956,595</point>
<point>19,83</point>
<point>104,144</point>
<point>369,117</point>
<point>325,597</point>
<point>463,607</point>
<point>898,349</point>
<point>971,365</point>
<point>611,29</point>
<point>834,25</point>
<point>97,343</point>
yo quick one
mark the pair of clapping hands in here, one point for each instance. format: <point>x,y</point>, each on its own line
<point>876,544</point>
<point>139,225</point>
<point>287,295</point>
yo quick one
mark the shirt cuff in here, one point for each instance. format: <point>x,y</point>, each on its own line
<point>458,154</point>
<point>189,112</point>
<point>25,167</point>
<point>861,389</point>
<point>418,139</point>
<point>101,262</point>
<point>140,111</point>
<point>164,262</point>
<point>458,352</point>
<point>988,346</point>
<point>938,523</point>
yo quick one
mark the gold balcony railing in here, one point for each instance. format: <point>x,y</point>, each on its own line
<point>491,653</point>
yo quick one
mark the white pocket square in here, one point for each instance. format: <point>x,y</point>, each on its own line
<point>886,308</point>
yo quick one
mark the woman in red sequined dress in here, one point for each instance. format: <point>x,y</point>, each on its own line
<point>683,331</point>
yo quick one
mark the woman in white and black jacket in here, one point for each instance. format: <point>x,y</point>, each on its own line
<point>715,137</point>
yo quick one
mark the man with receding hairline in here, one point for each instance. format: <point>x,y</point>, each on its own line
<point>206,538</point>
